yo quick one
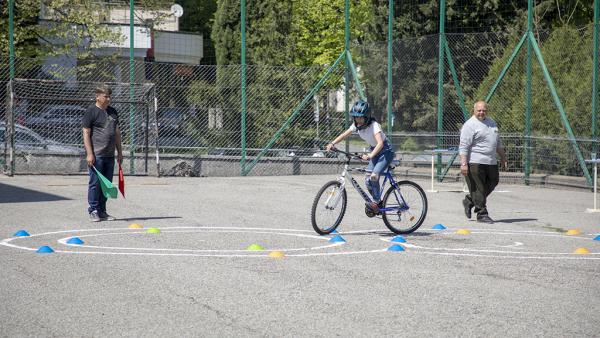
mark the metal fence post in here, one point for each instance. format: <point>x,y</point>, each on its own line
<point>11,38</point>
<point>389,65</point>
<point>440,106</point>
<point>346,65</point>
<point>595,79</point>
<point>527,165</point>
<point>561,109</point>
<point>243,84</point>
<point>131,91</point>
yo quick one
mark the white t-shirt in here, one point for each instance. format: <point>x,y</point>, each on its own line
<point>368,134</point>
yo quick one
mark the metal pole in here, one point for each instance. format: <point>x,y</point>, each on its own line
<point>595,78</point>
<point>488,97</point>
<point>359,87</point>
<point>459,92</point>
<point>594,161</point>
<point>317,116</point>
<point>10,123</point>
<point>243,83</point>
<point>440,107</point>
<point>595,184</point>
<point>527,165</point>
<point>347,64</point>
<point>432,171</point>
<point>131,91</point>
<point>295,113</point>
<point>11,39</point>
<point>389,65</point>
<point>561,110</point>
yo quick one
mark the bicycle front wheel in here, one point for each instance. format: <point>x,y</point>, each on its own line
<point>405,207</point>
<point>328,208</point>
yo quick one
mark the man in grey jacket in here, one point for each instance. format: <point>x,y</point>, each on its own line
<point>479,143</point>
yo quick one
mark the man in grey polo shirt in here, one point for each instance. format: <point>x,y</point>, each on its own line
<point>479,143</point>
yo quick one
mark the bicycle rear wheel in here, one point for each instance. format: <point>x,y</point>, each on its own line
<point>405,207</point>
<point>328,208</point>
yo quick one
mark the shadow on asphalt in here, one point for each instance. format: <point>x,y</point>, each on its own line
<point>384,233</point>
<point>12,194</point>
<point>145,218</point>
<point>514,220</point>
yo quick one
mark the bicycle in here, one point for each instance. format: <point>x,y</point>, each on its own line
<point>403,207</point>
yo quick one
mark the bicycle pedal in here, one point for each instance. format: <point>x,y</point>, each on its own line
<point>369,212</point>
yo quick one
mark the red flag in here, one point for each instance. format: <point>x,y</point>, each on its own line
<point>121,181</point>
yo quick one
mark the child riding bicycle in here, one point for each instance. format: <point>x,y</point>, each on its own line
<point>381,152</point>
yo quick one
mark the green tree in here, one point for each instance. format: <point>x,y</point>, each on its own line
<point>25,20</point>
<point>198,17</point>
<point>319,28</point>
<point>567,55</point>
<point>226,33</point>
<point>73,28</point>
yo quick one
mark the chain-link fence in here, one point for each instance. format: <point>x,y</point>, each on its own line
<point>202,129</point>
<point>478,60</point>
<point>42,127</point>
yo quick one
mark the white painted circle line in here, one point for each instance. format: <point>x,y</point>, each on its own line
<point>182,252</point>
<point>65,239</point>
<point>493,251</point>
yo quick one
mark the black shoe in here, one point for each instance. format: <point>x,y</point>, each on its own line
<point>484,219</point>
<point>106,217</point>
<point>467,205</point>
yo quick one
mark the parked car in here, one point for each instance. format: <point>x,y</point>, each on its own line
<point>59,122</point>
<point>26,140</point>
<point>171,119</point>
<point>275,152</point>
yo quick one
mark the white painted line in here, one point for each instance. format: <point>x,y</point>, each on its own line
<point>408,245</point>
<point>65,239</point>
<point>182,252</point>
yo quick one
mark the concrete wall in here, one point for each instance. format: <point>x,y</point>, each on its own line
<point>225,166</point>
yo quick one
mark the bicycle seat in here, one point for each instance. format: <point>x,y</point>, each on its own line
<point>394,164</point>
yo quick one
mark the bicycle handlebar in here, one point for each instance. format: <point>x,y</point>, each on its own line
<point>348,155</point>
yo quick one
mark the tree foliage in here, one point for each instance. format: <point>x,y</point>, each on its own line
<point>71,28</point>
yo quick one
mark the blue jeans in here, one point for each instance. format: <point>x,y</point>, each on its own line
<point>96,200</point>
<point>377,165</point>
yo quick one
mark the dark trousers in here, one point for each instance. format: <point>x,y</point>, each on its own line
<point>481,180</point>
<point>96,200</point>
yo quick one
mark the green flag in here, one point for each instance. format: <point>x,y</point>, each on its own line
<point>108,189</point>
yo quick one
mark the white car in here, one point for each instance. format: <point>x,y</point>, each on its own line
<point>26,140</point>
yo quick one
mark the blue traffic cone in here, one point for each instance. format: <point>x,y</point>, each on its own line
<point>75,240</point>
<point>21,233</point>
<point>396,247</point>
<point>398,239</point>
<point>337,239</point>
<point>45,249</point>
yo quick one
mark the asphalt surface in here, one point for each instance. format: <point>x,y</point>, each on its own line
<point>518,277</point>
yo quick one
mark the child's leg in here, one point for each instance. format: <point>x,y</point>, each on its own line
<point>377,165</point>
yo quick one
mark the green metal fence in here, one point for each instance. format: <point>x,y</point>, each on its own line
<point>267,120</point>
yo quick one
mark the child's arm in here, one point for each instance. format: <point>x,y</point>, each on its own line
<point>338,139</point>
<point>377,148</point>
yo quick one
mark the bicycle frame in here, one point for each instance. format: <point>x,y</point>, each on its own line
<point>387,177</point>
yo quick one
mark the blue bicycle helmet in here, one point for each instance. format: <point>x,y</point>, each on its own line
<point>361,109</point>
